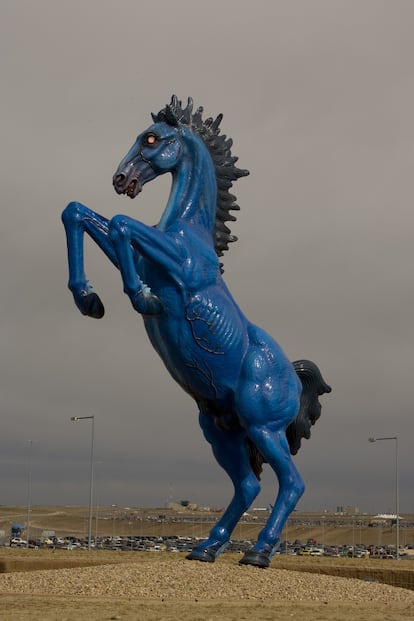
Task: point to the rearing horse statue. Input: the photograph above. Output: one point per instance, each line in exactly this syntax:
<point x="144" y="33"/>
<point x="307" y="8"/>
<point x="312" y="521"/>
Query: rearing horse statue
<point x="254" y="405"/>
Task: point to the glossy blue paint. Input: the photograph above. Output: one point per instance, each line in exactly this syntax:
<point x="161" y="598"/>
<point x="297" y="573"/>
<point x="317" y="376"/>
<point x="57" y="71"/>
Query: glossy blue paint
<point x="247" y="392"/>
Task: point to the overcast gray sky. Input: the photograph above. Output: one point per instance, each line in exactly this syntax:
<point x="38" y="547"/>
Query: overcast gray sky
<point x="318" y="96"/>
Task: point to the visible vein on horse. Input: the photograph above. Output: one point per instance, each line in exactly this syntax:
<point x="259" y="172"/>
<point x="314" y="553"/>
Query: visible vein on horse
<point x="199" y="340"/>
<point x="207" y="374"/>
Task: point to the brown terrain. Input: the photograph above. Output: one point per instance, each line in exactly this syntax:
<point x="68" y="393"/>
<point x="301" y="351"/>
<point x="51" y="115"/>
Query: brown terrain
<point x="325" y="528"/>
<point x="52" y="584"/>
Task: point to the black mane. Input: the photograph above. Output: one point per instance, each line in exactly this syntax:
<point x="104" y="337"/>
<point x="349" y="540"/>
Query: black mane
<point x="219" y="147"/>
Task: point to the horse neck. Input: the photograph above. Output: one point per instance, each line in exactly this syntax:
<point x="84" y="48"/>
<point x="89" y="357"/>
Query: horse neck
<point x="193" y="196"/>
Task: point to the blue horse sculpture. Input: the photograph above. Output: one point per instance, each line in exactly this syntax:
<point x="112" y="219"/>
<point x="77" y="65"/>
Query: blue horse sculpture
<point x="254" y="405"/>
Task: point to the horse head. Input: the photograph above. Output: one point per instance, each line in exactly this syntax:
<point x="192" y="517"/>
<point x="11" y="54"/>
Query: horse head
<point x="176" y="135"/>
<point x="155" y="152"/>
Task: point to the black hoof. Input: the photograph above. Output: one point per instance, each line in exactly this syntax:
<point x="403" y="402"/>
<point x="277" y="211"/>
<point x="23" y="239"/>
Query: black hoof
<point x="201" y="555"/>
<point x="92" y="306"/>
<point x="258" y="559"/>
<point x="149" y="304"/>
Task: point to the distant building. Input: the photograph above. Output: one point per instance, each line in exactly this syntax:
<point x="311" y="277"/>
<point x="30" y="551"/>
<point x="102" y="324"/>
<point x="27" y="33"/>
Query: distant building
<point x="178" y="506"/>
<point x="385" y="519"/>
<point x="348" y="510"/>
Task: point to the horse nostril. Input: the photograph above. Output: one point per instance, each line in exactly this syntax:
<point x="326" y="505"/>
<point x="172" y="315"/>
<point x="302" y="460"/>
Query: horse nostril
<point x="119" y="179"/>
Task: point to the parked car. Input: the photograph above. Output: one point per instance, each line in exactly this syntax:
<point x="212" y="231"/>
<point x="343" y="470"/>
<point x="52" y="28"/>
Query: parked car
<point x="17" y="542"/>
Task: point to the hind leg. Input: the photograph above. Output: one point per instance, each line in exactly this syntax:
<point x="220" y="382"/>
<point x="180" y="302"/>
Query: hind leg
<point x="273" y="445"/>
<point x="267" y="401"/>
<point x="231" y="452"/>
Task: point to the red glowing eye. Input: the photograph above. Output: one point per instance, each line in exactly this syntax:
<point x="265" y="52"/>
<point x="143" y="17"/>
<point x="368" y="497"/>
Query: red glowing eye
<point x="151" y="139"/>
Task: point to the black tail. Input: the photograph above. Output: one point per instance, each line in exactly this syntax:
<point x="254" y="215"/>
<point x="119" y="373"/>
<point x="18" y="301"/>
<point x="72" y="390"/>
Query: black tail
<point x="313" y="386"/>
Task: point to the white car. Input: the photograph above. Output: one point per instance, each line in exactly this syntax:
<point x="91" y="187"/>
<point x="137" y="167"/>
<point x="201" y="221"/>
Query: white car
<point x="18" y="541"/>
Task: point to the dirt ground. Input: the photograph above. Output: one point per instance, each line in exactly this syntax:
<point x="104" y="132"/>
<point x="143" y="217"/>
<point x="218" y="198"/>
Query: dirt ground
<point x="190" y="592"/>
<point x="47" y="593"/>
<point x="52" y="608"/>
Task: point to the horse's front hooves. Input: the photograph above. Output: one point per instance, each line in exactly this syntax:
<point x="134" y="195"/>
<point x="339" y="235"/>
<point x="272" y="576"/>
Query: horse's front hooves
<point x="91" y="306"/>
<point x="149" y="304"/>
<point x="201" y="555"/>
<point x="258" y="559"/>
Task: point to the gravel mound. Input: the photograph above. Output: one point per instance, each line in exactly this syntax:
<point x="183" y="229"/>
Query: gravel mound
<point x="199" y="581"/>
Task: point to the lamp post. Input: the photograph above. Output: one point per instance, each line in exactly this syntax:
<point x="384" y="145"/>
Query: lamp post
<point x="92" y="419"/>
<point x="397" y="495"/>
<point x="29" y="490"/>
<point x="97" y="508"/>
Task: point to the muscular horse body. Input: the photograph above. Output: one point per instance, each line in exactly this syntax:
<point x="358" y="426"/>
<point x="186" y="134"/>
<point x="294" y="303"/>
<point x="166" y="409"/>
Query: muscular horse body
<point x="254" y="404"/>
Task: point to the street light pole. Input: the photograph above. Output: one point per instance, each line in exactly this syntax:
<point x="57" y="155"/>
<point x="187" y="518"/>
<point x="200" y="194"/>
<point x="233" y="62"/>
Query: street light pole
<point x="29" y="490"/>
<point x="92" y="419"/>
<point x="397" y="494"/>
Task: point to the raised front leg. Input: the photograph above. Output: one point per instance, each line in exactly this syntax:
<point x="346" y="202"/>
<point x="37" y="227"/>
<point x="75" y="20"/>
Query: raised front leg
<point x="78" y="220"/>
<point x="130" y="236"/>
<point x="231" y="452"/>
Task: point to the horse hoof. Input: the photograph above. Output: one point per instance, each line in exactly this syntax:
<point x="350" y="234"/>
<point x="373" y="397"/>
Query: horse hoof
<point x="201" y="555"/>
<point x="258" y="559"/>
<point x="147" y="303"/>
<point x="91" y="306"/>
<point x="208" y="552"/>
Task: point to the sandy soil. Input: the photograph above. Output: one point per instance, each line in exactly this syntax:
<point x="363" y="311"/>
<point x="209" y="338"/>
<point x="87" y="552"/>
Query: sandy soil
<point x="166" y="587"/>
<point x="52" y="608"/>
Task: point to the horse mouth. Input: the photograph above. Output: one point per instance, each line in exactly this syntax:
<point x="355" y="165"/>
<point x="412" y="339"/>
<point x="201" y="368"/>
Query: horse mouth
<point x="123" y="185"/>
<point x="134" y="187"/>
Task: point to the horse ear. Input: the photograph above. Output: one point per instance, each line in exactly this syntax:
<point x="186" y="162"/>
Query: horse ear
<point x="174" y="102"/>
